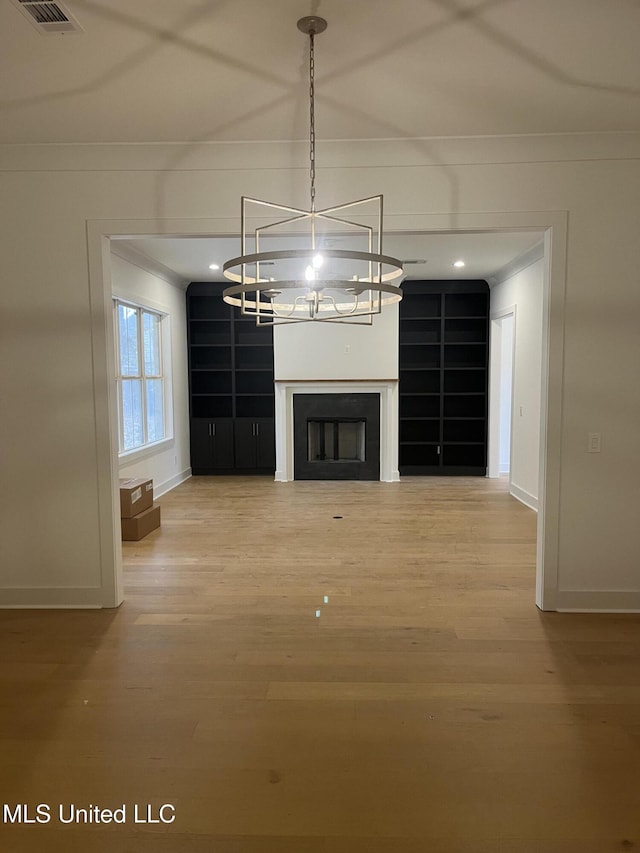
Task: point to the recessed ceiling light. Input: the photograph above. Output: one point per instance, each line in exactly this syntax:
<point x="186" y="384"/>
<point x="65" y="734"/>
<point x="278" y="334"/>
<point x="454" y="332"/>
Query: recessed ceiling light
<point x="458" y="263"/>
<point x="214" y="266"/>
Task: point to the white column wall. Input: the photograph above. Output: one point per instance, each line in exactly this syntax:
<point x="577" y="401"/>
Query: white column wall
<point x="336" y="351"/>
<point x="55" y="522"/>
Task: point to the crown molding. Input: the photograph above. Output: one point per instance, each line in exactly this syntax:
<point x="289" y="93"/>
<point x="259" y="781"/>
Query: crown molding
<point x="517" y="265"/>
<point x="126" y="252"/>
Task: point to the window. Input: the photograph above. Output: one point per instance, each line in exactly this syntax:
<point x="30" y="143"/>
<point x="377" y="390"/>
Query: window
<point x="140" y="378"/>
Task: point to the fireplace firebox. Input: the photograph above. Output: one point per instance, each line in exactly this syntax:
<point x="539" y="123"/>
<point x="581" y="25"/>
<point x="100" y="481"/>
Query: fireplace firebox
<point x="336" y="436"/>
<point x="331" y="440"/>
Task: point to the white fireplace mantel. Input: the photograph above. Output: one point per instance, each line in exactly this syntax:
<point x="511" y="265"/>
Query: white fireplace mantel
<point x="388" y="390"/>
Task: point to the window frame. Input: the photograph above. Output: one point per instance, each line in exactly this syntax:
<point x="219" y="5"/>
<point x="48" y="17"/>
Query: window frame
<point x="164" y="376"/>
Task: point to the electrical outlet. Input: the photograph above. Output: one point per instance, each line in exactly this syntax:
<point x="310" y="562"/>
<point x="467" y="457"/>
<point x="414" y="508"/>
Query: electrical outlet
<point x="593" y="442"/>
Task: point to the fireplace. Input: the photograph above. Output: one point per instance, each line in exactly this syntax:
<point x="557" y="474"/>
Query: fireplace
<point x="383" y="418"/>
<point x="336" y="436"/>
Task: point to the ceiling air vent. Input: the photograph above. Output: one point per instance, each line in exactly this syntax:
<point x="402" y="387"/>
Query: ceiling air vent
<point x="47" y="17"/>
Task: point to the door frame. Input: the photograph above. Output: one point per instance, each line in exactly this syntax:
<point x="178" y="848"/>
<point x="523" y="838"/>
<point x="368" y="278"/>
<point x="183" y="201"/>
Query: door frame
<point x="553" y="224"/>
<point x="495" y="388"/>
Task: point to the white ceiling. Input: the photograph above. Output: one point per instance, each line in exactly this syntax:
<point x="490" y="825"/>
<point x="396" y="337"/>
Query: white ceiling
<point x="191" y="70"/>
<point x="484" y="254"/>
<point x="176" y="70"/>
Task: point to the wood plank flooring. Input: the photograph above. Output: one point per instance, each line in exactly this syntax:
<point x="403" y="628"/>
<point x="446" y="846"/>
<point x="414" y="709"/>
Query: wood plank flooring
<point x="430" y="708"/>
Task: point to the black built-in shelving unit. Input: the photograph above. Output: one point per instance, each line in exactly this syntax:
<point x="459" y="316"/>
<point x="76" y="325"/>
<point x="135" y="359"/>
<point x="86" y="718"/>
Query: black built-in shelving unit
<point x="444" y="340"/>
<point x="231" y="390"/>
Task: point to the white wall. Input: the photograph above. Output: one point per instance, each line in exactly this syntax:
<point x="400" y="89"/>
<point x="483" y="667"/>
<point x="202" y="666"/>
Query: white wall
<point x="168" y="464"/>
<point x="524" y="290"/>
<point x="338" y="351"/>
<point x="506" y="389"/>
<point x="57" y="516"/>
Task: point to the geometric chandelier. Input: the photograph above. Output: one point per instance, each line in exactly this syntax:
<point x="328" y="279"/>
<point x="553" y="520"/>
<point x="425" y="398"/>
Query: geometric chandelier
<point x="312" y="265"/>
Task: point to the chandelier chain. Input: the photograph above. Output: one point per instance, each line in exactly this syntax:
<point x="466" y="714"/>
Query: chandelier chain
<point x="312" y="123"/>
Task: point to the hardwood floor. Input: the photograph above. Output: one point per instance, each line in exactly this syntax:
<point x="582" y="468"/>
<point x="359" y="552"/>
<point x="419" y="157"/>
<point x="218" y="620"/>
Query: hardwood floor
<point x="430" y="708"/>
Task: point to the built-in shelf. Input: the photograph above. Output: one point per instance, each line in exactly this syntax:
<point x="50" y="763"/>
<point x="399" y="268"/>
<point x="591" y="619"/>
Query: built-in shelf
<point x="443" y="361"/>
<point x="231" y="386"/>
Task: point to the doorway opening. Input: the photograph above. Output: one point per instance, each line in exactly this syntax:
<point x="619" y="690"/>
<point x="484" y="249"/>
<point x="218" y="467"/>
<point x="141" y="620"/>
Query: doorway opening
<point x="550" y="224"/>
<point x="501" y="368"/>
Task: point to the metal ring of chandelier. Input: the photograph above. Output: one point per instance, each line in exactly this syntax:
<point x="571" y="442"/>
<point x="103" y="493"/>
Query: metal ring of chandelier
<point x="355" y="297"/>
<point x="249" y="284"/>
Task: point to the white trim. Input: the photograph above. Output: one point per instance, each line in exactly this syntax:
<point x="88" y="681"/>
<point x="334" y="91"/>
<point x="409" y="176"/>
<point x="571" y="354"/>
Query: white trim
<point x="129" y="456"/>
<point x="552" y="223"/>
<point x="597" y="601"/>
<point x="495" y="387"/>
<point x="523" y="496"/>
<point x="551" y="399"/>
<point x="132" y="298"/>
<point x="164" y="350"/>
<point x="388" y="390"/>
<point x="64" y="597"/>
<point x="161" y="489"/>
<point x="503" y="312"/>
<point x="525" y="260"/>
<point x="223" y="155"/>
<point x="143" y="301"/>
<point x="126" y="252"/>
<point x="106" y="417"/>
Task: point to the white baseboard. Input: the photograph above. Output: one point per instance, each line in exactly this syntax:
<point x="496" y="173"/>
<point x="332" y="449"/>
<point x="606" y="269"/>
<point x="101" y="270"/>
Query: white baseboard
<point x="598" y="601"/>
<point x="280" y="477"/>
<point x="38" y="598"/>
<point x="171" y="483"/>
<point x="524" y="497"/>
<point x="72" y="598"/>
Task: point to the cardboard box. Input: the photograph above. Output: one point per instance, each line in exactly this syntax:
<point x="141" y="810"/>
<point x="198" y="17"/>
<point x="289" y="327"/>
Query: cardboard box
<point x="140" y="525"/>
<point x="136" y="495"/>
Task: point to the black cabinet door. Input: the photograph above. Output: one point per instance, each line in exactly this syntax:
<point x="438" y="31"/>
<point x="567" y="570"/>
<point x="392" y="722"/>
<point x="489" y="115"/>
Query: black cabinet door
<point x="245" y="431"/>
<point x="255" y="443"/>
<point x="211" y="444"/>
<point x="222" y="444"/>
<point x="201" y="447"/>
<point x="265" y="443"/>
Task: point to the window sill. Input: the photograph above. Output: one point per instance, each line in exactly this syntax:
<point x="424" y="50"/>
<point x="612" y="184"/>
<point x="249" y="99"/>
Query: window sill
<point x="128" y="456"/>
